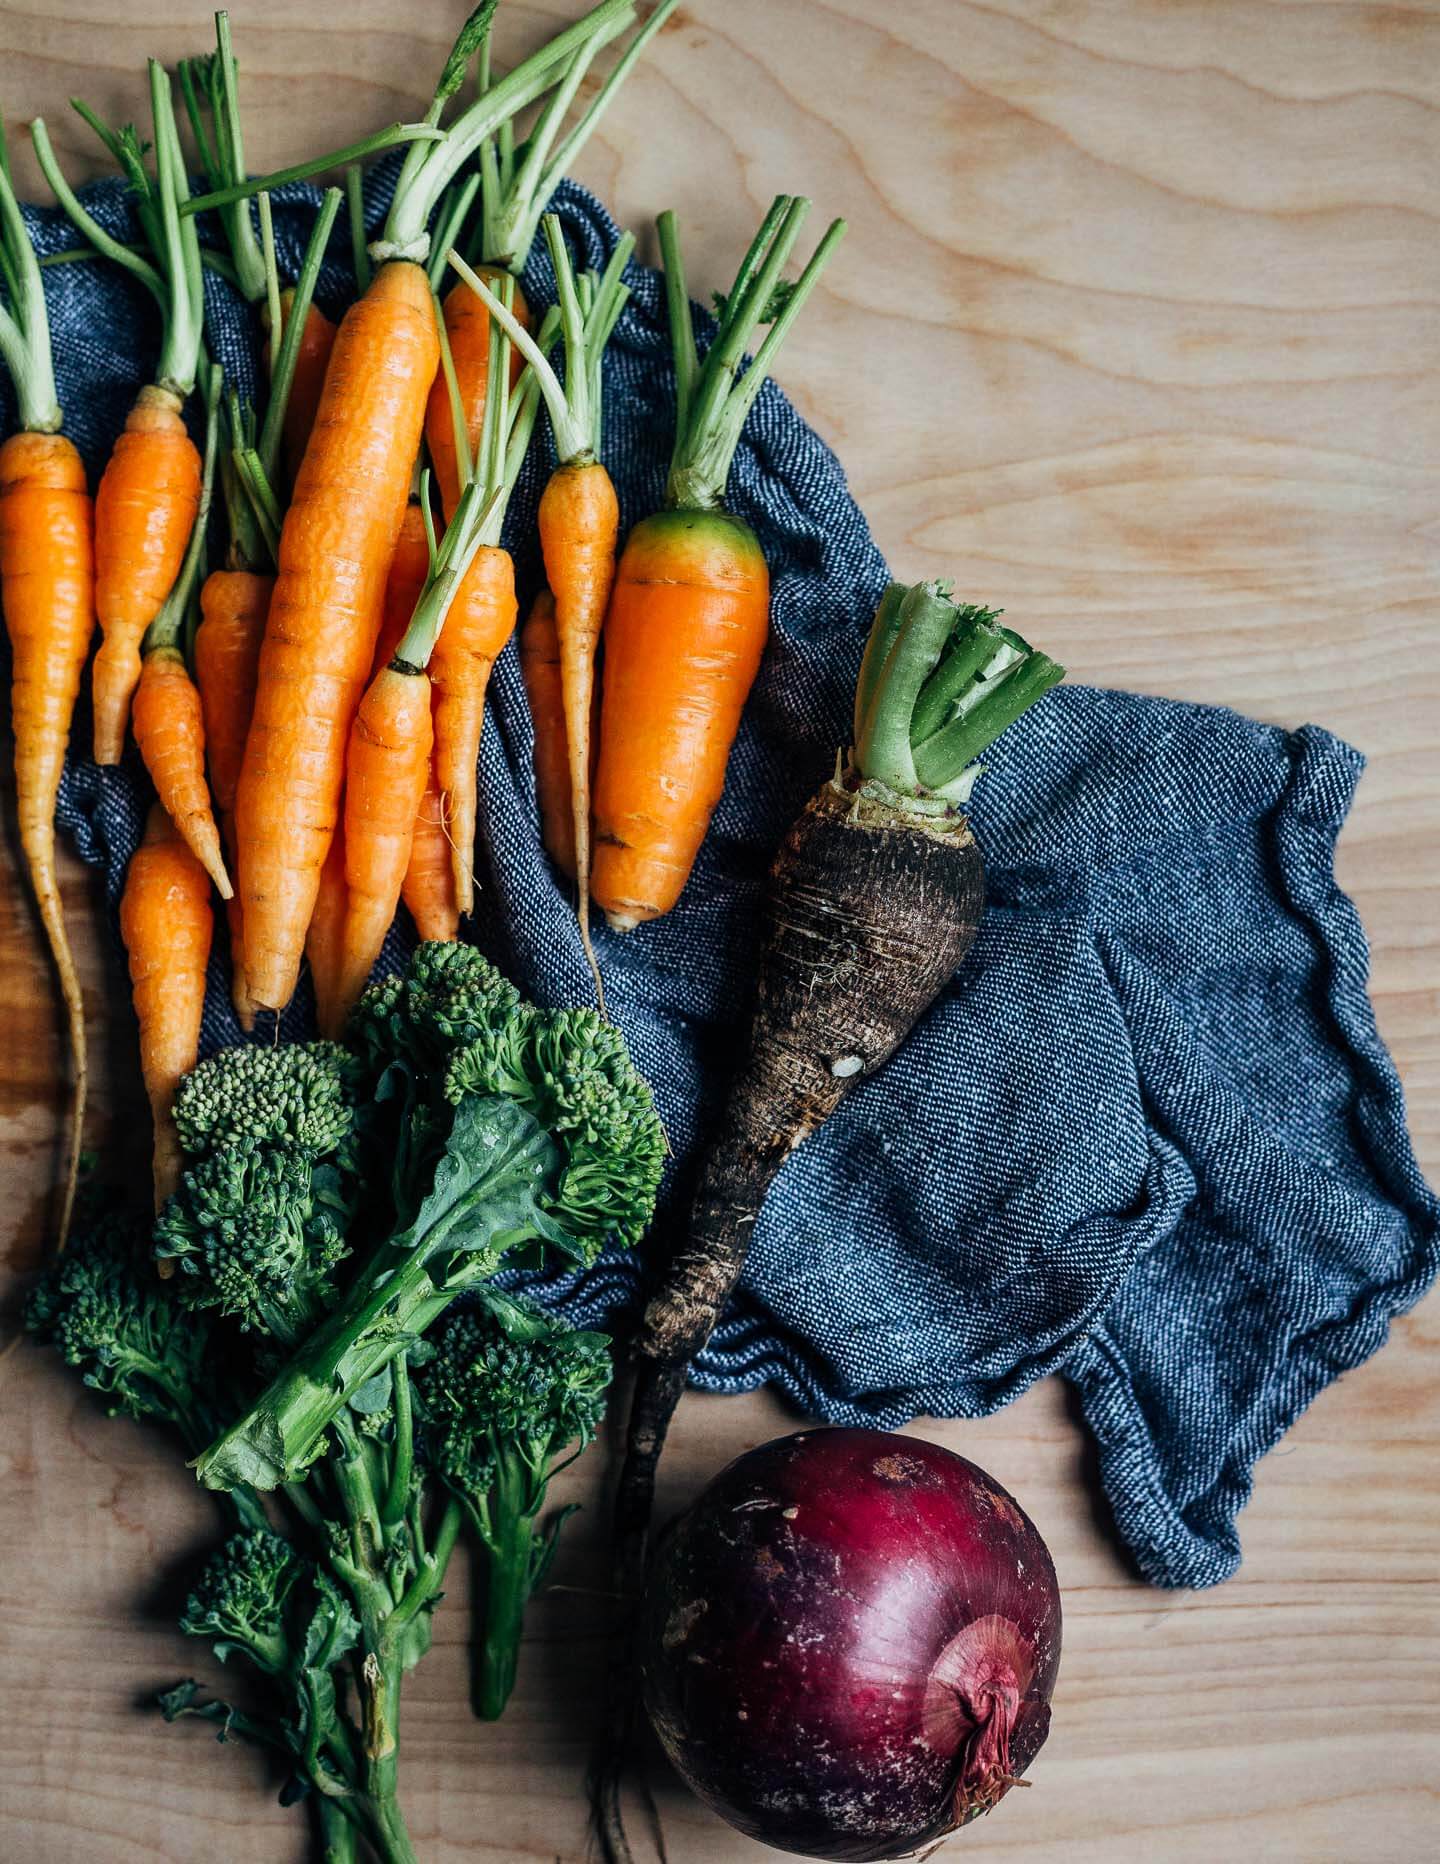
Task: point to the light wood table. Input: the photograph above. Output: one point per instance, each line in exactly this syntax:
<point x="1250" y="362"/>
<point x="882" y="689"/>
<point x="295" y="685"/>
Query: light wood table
<point x="1135" y="332"/>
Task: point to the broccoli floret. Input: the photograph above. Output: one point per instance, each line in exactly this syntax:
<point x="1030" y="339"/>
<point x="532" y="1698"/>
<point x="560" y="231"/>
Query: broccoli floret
<point x="252" y="1238"/>
<point x="451" y="994"/>
<point x="572" y="1070"/>
<point x="506" y="1389"/>
<point x="508" y="1131"/>
<point x="124" y="1331"/>
<point x="297" y="1098"/>
<point x="240" y="1600"/>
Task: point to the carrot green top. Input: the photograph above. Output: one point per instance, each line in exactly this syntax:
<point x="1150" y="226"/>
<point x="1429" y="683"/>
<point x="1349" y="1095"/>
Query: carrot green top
<point x="938" y="684"/>
<point x="589" y="309"/>
<point x="210" y="87"/>
<point x="24" y="327"/>
<point x="429" y="168"/>
<point x="516" y="185"/>
<point x="175" y="277"/>
<point x="713" y="397"/>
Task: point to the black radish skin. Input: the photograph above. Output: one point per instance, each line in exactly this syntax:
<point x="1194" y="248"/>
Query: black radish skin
<point x="870" y="908"/>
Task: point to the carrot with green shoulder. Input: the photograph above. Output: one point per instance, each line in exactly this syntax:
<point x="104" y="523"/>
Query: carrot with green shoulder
<point x="690" y="615"/>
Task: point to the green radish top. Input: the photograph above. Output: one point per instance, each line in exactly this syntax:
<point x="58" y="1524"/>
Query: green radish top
<point x="24" y="326"/>
<point x="938" y="684"/>
<point x="713" y="397"/>
<point x="174" y="279"/>
<point x="589" y="309"/>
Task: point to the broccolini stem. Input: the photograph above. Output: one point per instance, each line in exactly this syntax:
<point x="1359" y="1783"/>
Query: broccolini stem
<point x="380" y="1677"/>
<point x="338" y="1837"/>
<point x="508" y="1565"/>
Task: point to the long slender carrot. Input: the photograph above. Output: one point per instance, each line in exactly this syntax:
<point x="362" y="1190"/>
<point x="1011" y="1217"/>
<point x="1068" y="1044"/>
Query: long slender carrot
<point x="339" y="533"/>
<point x="235" y="601"/>
<point x="387" y="767"/>
<point x="233" y="607"/>
<point x="579" y="512"/>
<point x="167" y="924"/>
<point x="516" y="188"/>
<point x="428" y="889"/>
<point x="540" y="669"/>
<point x="482" y="615"/>
<point x="167" y="714"/>
<point x="150" y="490"/>
<point x="690" y="615"/>
<point x="47" y="591"/>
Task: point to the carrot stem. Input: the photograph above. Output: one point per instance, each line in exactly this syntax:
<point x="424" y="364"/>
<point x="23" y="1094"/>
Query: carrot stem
<point x="104" y="244"/>
<point x="24" y="327"/>
<point x="355" y="203"/>
<point x="512" y="208"/>
<point x="716" y="395"/>
<point x="282" y="376"/>
<point x="388" y="138"/>
<point x="418" y="190"/>
<point x="166" y="629"/>
<point x="211" y="84"/>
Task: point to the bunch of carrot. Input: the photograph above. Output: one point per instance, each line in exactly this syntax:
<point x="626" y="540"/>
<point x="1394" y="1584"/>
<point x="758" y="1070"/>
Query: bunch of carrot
<point x="309" y="706"/>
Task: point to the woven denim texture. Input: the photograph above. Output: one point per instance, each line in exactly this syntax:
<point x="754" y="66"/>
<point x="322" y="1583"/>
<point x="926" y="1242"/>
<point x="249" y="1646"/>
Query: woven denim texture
<point x="1149" y="1138"/>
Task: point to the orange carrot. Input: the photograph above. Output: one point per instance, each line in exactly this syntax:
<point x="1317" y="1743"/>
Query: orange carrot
<point x="340" y="532"/>
<point x="166" y="713"/>
<point x="429" y="886"/>
<point x="144" y="514"/>
<point x="540" y="669"/>
<point x="167" y="923"/>
<point x="689" y="617"/>
<point x="233" y="607"/>
<point x="335" y="549"/>
<point x="170" y="731"/>
<point x="385" y="777"/>
<point x="323" y="941"/>
<point x="480" y="622"/>
<point x="312" y="358"/>
<point x="149" y="493"/>
<point x="579" y="512"/>
<point x="47" y="591"/>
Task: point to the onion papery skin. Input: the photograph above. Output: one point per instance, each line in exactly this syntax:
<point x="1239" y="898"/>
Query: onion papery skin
<point x="849" y="1643"/>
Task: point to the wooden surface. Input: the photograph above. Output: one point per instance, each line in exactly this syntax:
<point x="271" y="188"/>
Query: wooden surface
<point x="1135" y="332"/>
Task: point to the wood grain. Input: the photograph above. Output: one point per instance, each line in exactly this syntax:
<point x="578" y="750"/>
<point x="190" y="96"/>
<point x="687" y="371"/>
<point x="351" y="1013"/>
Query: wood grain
<point x="1136" y="331"/>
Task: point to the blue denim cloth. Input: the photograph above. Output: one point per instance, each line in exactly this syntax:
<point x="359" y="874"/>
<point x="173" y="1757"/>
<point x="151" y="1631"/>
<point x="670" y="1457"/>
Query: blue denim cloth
<point x="1149" y="1138"/>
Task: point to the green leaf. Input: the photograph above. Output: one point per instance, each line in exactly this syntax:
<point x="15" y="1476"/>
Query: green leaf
<point x="498" y="1165"/>
<point x="374" y="1395"/>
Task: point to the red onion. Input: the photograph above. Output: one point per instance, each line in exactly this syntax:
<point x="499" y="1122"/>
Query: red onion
<point x="849" y="1643"/>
